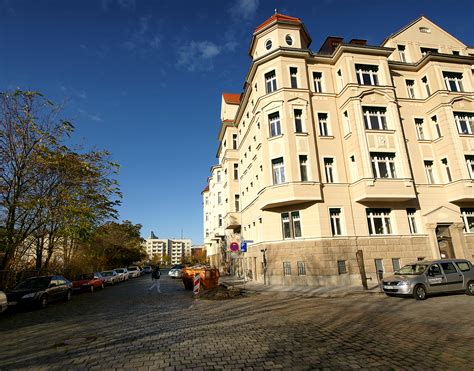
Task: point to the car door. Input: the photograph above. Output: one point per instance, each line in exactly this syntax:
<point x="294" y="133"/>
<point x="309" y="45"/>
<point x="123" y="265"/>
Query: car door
<point x="436" y="278"/>
<point x="454" y="278"/>
<point x="54" y="289"/>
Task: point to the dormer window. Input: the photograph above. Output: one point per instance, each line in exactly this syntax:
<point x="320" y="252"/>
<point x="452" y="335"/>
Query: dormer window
<point x="289" y="40"/>
<point x="268" y="44"/>
<point x="424" y="30"/>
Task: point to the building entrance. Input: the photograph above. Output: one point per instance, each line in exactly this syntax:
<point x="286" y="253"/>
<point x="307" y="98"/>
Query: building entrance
<point x="445" y="244"/>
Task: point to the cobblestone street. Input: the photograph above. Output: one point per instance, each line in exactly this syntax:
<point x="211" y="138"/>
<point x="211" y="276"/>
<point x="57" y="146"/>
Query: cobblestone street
<point x="124" y="327"/>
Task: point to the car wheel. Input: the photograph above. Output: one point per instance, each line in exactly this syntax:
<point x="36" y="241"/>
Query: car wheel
<point x="419" y="292"/>
<point x="69" y="295"/>
<point x="470" y="288"/>
<point x="91" y="288"/>
<point x="43" y="301"/>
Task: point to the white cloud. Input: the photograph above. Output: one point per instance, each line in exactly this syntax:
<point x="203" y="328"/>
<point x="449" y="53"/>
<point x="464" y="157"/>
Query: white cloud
<point x="92" y="117"/>
<point x="198" y="55"/>
<point x="245" y="8"/>
<point x="143" y="37"/>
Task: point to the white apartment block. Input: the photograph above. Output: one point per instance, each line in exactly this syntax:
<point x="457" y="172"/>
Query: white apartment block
<point x="176" y="249"/>
<point x="347" y="159"/>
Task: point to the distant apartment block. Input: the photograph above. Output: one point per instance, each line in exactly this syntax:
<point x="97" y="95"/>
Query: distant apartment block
<point x="176" y="249"/>
<point x="347" y="159"/>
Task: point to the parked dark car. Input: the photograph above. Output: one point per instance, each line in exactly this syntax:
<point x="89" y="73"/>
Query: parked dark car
<point x="89" y="282"/>
<point x="146" y="269"/>
<point x="40" y="291"/>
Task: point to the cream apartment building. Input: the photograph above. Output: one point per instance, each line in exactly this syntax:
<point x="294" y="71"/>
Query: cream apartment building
<point x="176" y="249"/>
<point x="350" y="160"/>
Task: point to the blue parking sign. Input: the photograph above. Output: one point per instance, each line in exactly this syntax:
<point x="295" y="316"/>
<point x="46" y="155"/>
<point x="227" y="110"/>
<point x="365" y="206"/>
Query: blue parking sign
<point x="243" y="247"/>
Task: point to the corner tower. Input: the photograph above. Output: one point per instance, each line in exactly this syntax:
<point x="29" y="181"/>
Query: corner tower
<point x="278" y="31"/>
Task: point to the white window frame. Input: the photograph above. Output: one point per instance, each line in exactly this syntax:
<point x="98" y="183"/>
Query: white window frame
<point x="424" y="81"/>
<point x="301" y="266"/>
<point x="467" y="214"/>
<point x="278" y="170"/>
<point x="453" y="81"/>
<point x="419" y="127"/>
<point x="434" y="120"/>
<point x="429" y="171"/>
<point x="298" y="119"/>
<point x="388" y="160"/>
<point x="219" y="198"/>
<point x="401" y="53"/>
<point x="384" y="216"/>
<point x="411" y="216"/>
<point x="303" y="165"/>
<point x="447" y="170"/>
<point x="293" y="77"/>
<point x="367" y="71"/>
<point x="335" y="219"/>
<point x="380" y="113"/>
<point x="293" y="219"/>
<point x="235" y="144"/>
<point x="323" y="124"/>
<point x="237" y="202"/>
<point x="464" y="122"/>
<point x="470" y="165"/>
<point x="274" y="124"/>
<point x="410" y="84"/>
<point x="270" y="81"/>
<point x="236" y="171"/>
<point x="329" y="169"/>
<point x="318" y="81"/>
<point x="347" y="122"/>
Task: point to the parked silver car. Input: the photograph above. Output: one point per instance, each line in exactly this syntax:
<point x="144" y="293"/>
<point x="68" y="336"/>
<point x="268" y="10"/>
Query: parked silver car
<point x="428" y="277"/>
<point x="3" y="301"/>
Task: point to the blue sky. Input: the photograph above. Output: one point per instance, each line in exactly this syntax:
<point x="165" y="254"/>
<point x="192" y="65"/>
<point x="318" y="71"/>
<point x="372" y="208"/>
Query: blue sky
<point x="143" y="79"/>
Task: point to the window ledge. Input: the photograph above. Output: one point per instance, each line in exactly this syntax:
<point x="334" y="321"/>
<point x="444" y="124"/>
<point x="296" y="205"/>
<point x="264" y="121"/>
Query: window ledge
<point x="466" y="135"/>
<point x="275" y="137"/>
<point x="391" y="131"/>
<point x="301" y="133"/>
<point x="326" y="136"/>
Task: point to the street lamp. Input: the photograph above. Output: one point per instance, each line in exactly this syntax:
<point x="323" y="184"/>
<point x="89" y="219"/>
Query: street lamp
<point x="263" y="251"/>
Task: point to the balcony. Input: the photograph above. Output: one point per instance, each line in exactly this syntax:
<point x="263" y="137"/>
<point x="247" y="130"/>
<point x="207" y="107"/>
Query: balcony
<point x="459" y="191"/>
<point x="232" y="220"/>
<point x="289" y="194"/>
<point x="390" y="190"/>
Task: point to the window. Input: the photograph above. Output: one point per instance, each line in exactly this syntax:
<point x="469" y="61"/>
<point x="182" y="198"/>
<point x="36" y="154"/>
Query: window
<point x="291" y="224"/>
<point x="378" y="265"/>
<point x="335" y="218"/>
<point x="341" y="267"/>
<point x="323" y="124"/>
<point x="366" y="74"/>
<point x="270" y="81"/>
<point x="420" y="133"/>
<point x="289" y="40"/>
<point x="448" y="268"/>
<point x="378" y="221"/>
<point x="236" y="171"/>
<point x="294" y="77"/>
<point x="318" y="83"/>
<point x="219" y="218"/>
<point x="467" y="215"/>
<point x="424" y="30"/>
<point x="412" y="221"/>
<point x="426" y="51"/>
<point x="278" y="171"/>
<point x="268" y="44"/>
<point x="401" y="53"/>
<point x="464" y="122"/>
<point x="219" y="198"/>
<point x="374" y="118"/>
<point x="340" y="80"/>
<point x="298" y="120"/>
<point x="470" y="165"/>
<point x="301" y="268"/>
<point x="287" y="268"/>
<point x="237" y="202"/>
<point x="329" y="169"/>
<point x="425" y="83"/>
<point x="429" y="172"/>
<point x="353" y="167"/>
<point x="396" y="264"/>
<point x="383" y="165"/>
<point x="455" y="52"/>
<point x="437" y="129"/>
<point x="303" y="168"/>
<point x="463" y="266"/>
<point x="234" y="141"/>
<point x="274" y="122"/>
<point x="218" y="177"/>
<point x="444" y="161"/>
<point x="410" y="88"/>
<point x="453" y="81"/>
<point x="347" y="123"/>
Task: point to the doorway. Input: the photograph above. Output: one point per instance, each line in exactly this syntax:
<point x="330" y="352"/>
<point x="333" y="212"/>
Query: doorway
<point x="445" y="244"/>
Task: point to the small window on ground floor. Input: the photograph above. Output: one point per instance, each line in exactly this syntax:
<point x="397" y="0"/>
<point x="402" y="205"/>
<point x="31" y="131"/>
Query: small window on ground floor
<point x="396" y="264"/>
<point x="341" y="267"/>
<point x="287" y="268"/>
<point x="301" y="268"/>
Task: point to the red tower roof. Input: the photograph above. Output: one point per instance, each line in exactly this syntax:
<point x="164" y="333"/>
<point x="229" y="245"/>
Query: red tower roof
<point x="231" y="98"/>
<point x="278" y="17"/>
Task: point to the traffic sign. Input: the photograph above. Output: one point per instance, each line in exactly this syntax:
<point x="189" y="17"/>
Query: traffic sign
<point x="243" y="247"/>
<point x="197" y="284"/>
<point x="234" y="246"/>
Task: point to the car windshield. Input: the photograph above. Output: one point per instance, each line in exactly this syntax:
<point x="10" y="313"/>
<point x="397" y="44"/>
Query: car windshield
<point x="87" y="276"/>
<point x="412" y="269"/>
<point x="35" y="283"/>
<point x="108" y="273"/>
<point x="119" y="270"/>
